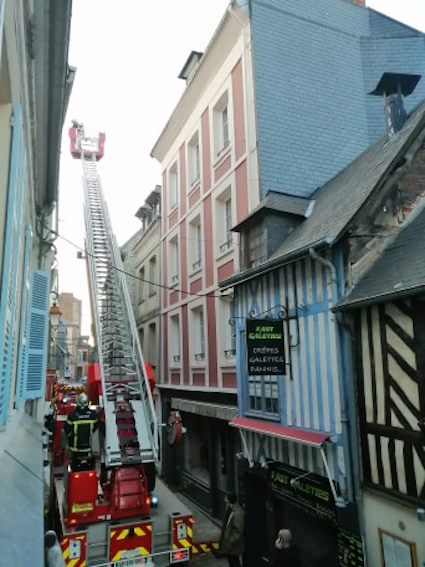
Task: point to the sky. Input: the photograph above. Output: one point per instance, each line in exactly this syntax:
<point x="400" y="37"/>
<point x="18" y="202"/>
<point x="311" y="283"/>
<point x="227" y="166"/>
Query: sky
<point x="128" y="60"/>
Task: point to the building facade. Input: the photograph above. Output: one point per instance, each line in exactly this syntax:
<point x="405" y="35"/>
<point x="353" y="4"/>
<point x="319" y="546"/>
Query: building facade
<point x="242" y="132"/>
<point x="35" y="84"/>
<point x="298" y="416"/>
<point x="385" y="311"/>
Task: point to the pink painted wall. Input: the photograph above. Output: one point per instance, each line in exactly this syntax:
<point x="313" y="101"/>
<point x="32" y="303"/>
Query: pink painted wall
<point x="238" y="110"/>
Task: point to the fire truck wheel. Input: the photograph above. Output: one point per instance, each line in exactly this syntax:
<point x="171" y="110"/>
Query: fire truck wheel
<point x="150" y="475"/>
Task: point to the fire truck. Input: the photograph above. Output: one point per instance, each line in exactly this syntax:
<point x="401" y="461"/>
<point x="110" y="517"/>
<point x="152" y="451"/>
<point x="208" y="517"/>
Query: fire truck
<point x="118" y="513"/>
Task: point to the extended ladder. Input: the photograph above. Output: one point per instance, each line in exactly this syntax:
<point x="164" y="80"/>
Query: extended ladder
<point x="131" y="429"/>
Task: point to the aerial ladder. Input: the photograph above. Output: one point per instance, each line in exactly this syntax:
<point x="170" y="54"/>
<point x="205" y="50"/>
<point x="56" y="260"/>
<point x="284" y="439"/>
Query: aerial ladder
<point x="110" y="515"/>
<point x="131" y="433"/>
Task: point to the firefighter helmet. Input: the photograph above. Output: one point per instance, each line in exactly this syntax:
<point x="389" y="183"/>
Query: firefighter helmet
<point x="82" y="400"/>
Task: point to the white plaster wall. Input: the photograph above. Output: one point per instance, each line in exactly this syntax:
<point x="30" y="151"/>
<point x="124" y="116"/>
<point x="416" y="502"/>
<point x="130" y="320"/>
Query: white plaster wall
<point x="400" y="520"/>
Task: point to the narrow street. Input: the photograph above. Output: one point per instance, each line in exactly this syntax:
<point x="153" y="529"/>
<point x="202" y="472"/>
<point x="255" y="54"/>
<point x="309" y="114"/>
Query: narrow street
<point x="205" y="530"/>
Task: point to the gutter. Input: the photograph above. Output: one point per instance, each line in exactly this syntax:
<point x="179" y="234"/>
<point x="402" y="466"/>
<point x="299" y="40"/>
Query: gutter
<point x="247" y="275"/>
<point x="348" y="474"/>
<point x="58" y="92"/>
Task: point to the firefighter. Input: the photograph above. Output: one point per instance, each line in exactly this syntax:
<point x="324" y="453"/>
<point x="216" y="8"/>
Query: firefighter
<point x="79" y="427"/>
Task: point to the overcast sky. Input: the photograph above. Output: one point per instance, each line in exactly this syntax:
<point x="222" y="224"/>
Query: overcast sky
<point x="128" y="59"/>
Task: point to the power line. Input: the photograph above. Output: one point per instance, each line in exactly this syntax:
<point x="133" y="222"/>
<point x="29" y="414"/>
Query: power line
<point x="156" y="284"/>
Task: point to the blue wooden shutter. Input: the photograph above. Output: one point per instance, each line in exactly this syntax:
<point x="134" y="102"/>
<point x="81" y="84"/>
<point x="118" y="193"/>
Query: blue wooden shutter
<point x="11" y="256"/>
<point x="36" y="359"/>
<point x="25" y="306"/>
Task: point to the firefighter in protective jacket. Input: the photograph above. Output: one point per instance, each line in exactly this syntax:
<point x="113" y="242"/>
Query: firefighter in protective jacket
<point x="79" y="427"/>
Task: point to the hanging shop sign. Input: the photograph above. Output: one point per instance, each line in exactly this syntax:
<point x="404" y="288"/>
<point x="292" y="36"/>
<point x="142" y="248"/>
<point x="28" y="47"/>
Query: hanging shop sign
<point x="265" y="347"/>
<point x="307" y="490"/>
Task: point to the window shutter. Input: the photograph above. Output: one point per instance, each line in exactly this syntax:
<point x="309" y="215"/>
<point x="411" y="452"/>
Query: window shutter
<point x="36" y="359"/>
<point x="25" y="303"/>
<point x="11" y="256"/>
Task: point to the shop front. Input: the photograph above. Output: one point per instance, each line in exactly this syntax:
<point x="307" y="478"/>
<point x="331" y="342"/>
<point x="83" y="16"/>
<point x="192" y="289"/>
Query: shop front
<point x="280" y="496"/>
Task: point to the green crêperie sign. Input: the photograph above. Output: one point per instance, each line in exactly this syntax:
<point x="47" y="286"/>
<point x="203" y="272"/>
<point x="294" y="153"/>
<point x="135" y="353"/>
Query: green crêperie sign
<point x="265" y="347"/>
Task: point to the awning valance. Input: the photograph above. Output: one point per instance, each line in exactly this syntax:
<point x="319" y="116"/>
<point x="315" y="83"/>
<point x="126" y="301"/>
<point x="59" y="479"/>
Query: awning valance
<point x="303" y="436"/>
<point x="307" y="437"/>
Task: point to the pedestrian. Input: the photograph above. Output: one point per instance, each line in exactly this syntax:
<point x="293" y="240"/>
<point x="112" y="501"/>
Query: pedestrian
<point x="285" y="553"/>
<point x="232" y="541"/>
<point x="79" y="427"/>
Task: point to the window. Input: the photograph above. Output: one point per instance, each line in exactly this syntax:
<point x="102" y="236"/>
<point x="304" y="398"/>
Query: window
<point x="81" y="356"/>
<point x="199" y="334"/>
<point x="224" y="220"/>
<point x="396" y="551"/>
<point x="141" y="288"/>
<point x="221" y="125"/>
<point x="254" y="244"/>
<point x="152" y="343"/>
<point x="228" y="331"/>
<point x="142" y="338"/>
<point x="174" y="260"/>
<point x="175" y="339"/>
<point x="173" y="186"/>
<point x="263" y="394"/>
<point x="195" y="243"/>
<point x="194" y="160"/>
<point x="153" y="278"/>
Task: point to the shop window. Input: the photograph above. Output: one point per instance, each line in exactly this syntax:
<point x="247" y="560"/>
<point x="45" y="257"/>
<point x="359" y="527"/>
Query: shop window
<point x="197" y="458"/>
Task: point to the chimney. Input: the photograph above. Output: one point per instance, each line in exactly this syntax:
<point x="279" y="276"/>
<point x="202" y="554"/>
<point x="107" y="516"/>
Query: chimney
<point x="359" y="2"/>
<point x="393" y="87"/>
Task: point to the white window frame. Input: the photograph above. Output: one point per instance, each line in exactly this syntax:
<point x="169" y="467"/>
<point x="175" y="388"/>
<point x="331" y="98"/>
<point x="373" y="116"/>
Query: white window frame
<point x="227" y="330"/>
<point x="153" y="276"/>
<point x="198" y="344"/>
<point x="141" y="285"/>
<point x="194" y="160"/>
<point x="224" y="221"/>
<point x="173" y="186"/>
<point x="174" y="260"/>
<point x="196" y="240"/>
<point x="221" y="125"/>
<point x="175" y="339"/>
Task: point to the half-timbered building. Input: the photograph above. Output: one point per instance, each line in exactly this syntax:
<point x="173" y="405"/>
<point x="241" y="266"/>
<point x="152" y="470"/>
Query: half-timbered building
<point x="387" y="312"/>
<point x="298" y="420"/>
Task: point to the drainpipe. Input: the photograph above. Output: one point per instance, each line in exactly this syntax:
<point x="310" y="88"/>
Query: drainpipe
<point x="346" y="485"/>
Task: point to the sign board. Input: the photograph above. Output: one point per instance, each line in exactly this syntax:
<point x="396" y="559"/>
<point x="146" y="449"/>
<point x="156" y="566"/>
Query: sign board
<point x="309" y="491"/>
<point x="265" y="347"/>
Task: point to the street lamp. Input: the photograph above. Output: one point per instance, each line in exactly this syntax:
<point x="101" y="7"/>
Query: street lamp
<point x="55" y="315"/>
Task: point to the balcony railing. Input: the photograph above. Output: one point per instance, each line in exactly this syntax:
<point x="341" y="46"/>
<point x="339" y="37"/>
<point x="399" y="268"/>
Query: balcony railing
<point x="196" y="265"/>
<point x="226" y="245"/>
<point x="199" y="356"/>
<point x="230" y="353"/>
<point x="176" y="358"/>
<point x="175" y="278"/>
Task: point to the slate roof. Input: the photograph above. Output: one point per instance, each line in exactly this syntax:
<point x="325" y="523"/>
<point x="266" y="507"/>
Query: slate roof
<point x="339" y="200"/>
<point x="399" y="271"/>
<point x="278" y="203"/>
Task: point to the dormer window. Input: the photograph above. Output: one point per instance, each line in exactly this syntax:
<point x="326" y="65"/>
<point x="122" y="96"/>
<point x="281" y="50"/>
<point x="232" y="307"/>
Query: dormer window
<point x="254" y="246"/>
